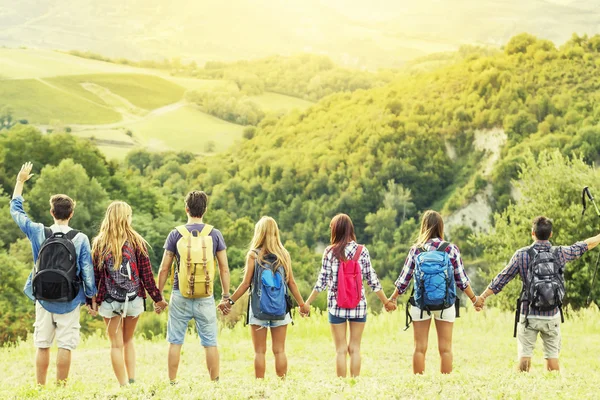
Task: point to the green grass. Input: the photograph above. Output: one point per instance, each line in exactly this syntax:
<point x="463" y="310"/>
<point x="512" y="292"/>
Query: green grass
<point x="484" y="365"/>
<point x="185" y="129"/>
<point x="145" y="91"/>
<point x="275" y="102"/>
<point x="40" y="103"/>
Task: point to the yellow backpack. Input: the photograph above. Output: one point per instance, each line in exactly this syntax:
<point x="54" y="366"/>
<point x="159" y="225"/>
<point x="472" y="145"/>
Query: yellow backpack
<point x="196" y="262"/>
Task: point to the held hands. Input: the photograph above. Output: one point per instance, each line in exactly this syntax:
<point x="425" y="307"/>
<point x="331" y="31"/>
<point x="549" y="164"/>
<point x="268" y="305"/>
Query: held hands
<point x="479" y="303"/>
<point x="25" y="172"/>
<point x="390" y="305"/>
<point x="160" y="306"/>
<point x="224" y="306"/>
<point x="92" y="309"/>
<point x="304" y="310"/>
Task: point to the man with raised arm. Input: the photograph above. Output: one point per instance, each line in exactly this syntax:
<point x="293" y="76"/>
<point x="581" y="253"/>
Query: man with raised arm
<point x="541" y="268"/>
<point x="62" y="278"/>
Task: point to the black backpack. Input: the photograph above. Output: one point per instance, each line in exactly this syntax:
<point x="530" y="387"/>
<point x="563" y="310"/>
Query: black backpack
<point x="55" y="273"/>
<point x="544" y="288"/>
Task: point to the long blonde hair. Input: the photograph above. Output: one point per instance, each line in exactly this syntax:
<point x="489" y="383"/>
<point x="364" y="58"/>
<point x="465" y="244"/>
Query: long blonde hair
<point x="432" y="226"/>
<point x="115" y="230"/>
<point x="266" y="238"/>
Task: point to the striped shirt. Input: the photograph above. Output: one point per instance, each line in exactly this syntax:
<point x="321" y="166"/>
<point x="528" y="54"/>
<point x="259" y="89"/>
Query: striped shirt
<point x="519" y="264"/>
<point x="328" y="279"/>
<point x="460" y="276"/>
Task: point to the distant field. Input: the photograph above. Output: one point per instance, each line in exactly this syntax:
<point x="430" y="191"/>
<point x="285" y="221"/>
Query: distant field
<point x="34" y="63"/>
<point x="275" y="102"/>
<point x="185" y="128"/>
<point x="144" y="91"/>
<point x="40" y="103"/>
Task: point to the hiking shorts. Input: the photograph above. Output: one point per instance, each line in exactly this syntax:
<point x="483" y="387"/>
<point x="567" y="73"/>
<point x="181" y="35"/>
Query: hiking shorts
<point x="113" y="309"/>
<point x="273" y="323"/>
<point x="62" y="327"/>
<point x="449" y="314"/>
<point x="203" y="311"/>
<point x="549" y="330"/>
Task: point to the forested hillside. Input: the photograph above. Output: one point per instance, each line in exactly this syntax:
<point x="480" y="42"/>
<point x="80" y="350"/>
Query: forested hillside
<point x="381" y="155"/>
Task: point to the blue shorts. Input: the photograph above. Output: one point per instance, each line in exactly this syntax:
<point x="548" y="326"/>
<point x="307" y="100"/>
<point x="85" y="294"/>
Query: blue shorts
<point x="337" y="320"/>
<point x="203" y="311"/>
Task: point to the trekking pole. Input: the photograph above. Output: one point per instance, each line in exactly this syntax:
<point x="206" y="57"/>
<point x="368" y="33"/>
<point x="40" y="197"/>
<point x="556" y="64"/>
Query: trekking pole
<point x="588" y="194"/>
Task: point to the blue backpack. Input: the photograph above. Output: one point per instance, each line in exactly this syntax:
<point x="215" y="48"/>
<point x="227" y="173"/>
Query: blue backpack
<point x="434" y="287"/>
<point x="269" y="298"/>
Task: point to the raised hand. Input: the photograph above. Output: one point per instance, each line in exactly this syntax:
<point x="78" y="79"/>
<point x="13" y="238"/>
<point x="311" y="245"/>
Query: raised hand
<point x="25" y="172"/>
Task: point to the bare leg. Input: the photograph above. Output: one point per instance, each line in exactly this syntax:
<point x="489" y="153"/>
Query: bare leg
<point x="174" y="356"/>
<point x="552" y="364"/>
<point x="212" y="362"/>
<point x="444" y="334"/>
<point x="114" y="330"/>
<point x="421" y="335"/>
<point x="42" y="361"/>
<point x="259" y="340"/>
<point x="356" y="331"/>
<point x="129" y="325"/>
<point x="63" y="365"/>
<point x="524" y="364"/>
<point x="341" y="348"/>
<point x="278" y="338"/>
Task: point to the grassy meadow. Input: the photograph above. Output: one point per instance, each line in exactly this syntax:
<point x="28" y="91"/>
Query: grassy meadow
<point x="484" y="362"/>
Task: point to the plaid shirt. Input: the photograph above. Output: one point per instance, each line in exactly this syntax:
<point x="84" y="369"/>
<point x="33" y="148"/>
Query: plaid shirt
<point x="142" y="267"/>
<point x="460" y="276"/>
<point x="519" y="264"/>
<point x="328" y="279"/>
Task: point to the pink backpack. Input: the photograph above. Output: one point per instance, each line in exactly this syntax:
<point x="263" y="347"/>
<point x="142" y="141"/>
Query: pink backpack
<point x="349" y="288"/>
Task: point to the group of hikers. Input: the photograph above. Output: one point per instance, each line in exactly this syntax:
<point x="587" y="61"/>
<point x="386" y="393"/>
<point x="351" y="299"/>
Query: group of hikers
<point x="112" y="276"/>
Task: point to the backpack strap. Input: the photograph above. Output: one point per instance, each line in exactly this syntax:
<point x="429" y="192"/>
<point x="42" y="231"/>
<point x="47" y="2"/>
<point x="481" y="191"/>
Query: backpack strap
<point x="71" y="234"/>
<point x="48" y="232"/>
<point x="358" y="252"/>
<point x="443" y="246"/>
<point x="206" y="230"/>
<point x="532" y="253"/>
<point x="183" y="231"/>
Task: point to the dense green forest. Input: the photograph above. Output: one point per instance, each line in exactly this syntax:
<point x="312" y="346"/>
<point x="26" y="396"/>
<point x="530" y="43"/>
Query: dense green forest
<point x="378" y="152"/>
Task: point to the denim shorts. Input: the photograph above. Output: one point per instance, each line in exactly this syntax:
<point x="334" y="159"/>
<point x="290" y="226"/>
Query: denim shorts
<point x="337" y="320"/>
<point x="204" y="313"/>
<point x="115" y="308"/>
<point x="273" y="323"/>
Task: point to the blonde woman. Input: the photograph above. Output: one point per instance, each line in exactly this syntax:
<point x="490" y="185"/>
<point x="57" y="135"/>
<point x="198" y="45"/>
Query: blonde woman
<point x="430" y="240"/>
<point x="268" y="270"/>
<point x="123" y="275"/>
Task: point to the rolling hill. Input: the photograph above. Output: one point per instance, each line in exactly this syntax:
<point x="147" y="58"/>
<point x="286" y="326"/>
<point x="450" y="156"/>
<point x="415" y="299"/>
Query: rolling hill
<point x="119" y="106"/>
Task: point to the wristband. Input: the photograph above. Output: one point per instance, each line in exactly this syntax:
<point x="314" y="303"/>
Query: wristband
<point x="231" y="302"/>
<point x="226" y="296"/>
<point x="301" y="305"/>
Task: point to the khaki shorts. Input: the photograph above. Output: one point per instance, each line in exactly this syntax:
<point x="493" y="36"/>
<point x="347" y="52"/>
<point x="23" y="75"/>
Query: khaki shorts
<point x="63" y="327"/>
<point x="549" y="330"/>
<point x="449" y="314"/>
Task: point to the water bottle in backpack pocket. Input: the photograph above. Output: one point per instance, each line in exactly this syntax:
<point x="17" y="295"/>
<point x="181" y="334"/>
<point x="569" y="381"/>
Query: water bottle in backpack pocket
<point x="55" y="273"/>
<point x="434" y="285"/>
